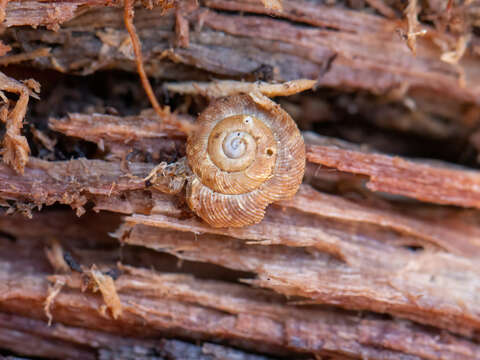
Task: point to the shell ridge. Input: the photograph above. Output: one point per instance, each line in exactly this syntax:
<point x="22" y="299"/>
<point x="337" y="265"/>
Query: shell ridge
<point x="237" y="198"/>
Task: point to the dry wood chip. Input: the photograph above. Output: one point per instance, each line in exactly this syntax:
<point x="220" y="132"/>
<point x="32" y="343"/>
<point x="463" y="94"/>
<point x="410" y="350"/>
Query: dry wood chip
<point x="220" y="88"/>
<point x="273" y="4"/>
<point x="23" y="342"/>
<point x="106" y="285"/>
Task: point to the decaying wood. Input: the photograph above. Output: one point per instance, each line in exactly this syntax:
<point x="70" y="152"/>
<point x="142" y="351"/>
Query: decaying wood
<point x="359" y="238"/>
<point x="434" y="183"/>
<point x="69" y="182"/>
<point x="404" y="289"/>
<point x="376" y="255"/>
<point x="159" y="303"/>
<point x="62" y="342"/>
<point x="119" y="136"/>
<point x="360" y="51"/>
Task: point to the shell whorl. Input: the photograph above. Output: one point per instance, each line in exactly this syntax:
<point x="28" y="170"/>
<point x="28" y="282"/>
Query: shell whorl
<point x="245" y="154"/>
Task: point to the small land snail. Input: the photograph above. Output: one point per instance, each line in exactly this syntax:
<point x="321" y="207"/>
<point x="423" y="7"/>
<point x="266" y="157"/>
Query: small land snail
<point x="245" y="154"/>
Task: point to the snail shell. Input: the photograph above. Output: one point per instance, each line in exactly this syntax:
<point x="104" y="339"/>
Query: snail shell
<point x="245" y="154"/>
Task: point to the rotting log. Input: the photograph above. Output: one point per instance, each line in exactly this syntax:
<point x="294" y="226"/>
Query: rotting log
<point x="375" y="256"/>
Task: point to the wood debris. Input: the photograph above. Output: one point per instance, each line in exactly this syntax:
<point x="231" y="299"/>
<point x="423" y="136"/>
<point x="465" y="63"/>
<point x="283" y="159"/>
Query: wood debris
<point x="56" y="257"/>
<point x="226" y="87"/>
<point x="411" y="13"/>
<point x="351" y="55"/>
<point x="53" y="291"/>
<point x="14" y="59"/>
<point x="98" y="281"/>
<point x="156" y="303"/>
<point x="273" y="4"/>
<point x="15" y="149"/>
<point x="432" y="182"/>
<point x="395" y="293"/>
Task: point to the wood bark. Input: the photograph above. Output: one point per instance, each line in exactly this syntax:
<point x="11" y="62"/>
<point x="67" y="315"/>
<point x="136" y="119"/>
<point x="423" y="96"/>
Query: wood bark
<point x="376" y="255"/>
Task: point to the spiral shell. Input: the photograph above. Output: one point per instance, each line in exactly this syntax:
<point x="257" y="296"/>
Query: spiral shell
<point x="245" y="154"/>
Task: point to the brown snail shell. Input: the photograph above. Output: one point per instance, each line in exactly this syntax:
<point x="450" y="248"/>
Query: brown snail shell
<point x="245" y="154"/>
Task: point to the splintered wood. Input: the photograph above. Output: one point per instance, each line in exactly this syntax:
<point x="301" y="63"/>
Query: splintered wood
<point x="15" y="148"/>
<point x="156" y="303"/>
<point x="375" y="257"/>
<point x="420" y="180"/>
<point x="226" y="87"/>
<point x="348" y="49"/>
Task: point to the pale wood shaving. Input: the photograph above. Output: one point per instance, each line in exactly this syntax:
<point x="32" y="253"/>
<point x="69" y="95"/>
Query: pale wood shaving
<point x="273" y="4"/>
<point x="220" y="88"/>
<point x="411" y="13"/>
<point x="15" y="149"/>
<point x="106" y="285"/>
<point x="54" y="254"/>
<point x="24" y="56"/>
<point x="53" y="292"/>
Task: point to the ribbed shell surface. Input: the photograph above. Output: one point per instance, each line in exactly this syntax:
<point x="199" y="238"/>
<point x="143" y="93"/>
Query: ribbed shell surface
<point x="235" y="199"/>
